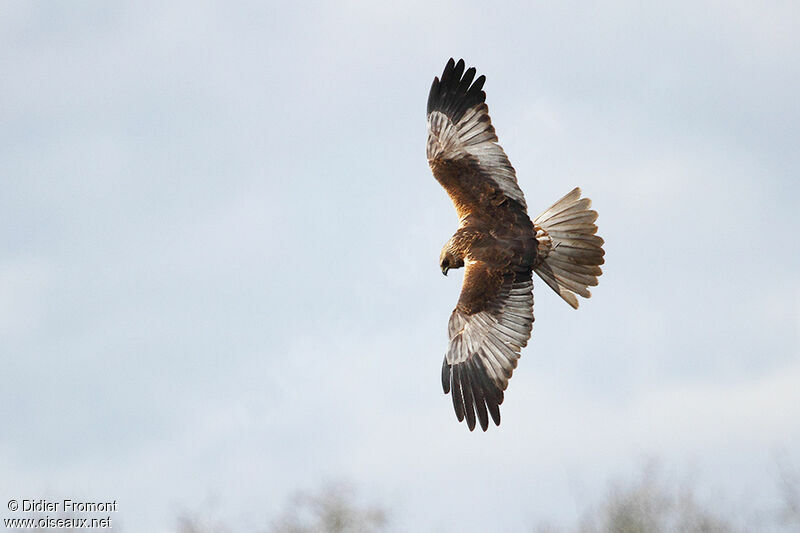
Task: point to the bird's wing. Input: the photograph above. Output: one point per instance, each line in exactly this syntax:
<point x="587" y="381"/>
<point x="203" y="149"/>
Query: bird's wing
<point x="462" y="146"/>
<point x="488" y="328"/>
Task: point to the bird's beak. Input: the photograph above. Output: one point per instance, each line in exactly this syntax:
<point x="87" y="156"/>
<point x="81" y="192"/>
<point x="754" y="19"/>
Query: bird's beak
<point x="444" y="270"/>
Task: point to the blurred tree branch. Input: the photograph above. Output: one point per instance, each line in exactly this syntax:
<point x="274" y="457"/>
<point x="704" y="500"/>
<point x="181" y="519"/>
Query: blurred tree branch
<point x="332" y="510"/>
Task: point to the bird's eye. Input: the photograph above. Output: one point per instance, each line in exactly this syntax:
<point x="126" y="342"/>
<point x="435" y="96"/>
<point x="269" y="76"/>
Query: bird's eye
<point x="445" y="262"/>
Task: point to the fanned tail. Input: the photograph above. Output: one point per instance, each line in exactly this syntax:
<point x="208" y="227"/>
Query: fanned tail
<point x="570" y="254"/>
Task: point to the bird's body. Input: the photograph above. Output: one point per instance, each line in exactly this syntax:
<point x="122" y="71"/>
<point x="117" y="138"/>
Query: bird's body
<point x="499" y="245"/>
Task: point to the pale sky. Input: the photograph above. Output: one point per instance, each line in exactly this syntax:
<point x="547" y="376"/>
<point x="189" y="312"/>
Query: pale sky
<point x="219" y="243"/>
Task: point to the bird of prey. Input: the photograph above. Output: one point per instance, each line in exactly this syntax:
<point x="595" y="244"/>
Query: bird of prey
<point x="499" y="245"/>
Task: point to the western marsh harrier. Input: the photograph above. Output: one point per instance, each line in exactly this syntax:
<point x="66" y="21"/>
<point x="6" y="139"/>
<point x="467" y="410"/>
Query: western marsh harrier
<point x="499" y="245"/>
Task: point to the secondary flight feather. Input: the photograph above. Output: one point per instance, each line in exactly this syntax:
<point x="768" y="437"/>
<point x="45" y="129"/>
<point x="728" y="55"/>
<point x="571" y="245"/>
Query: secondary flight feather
<point x="499" y="245"/>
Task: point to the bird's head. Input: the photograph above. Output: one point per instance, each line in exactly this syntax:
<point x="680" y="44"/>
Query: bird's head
<point x="448" y="260"/>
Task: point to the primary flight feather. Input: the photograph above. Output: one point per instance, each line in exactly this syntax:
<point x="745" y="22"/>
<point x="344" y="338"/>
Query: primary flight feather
<point x="499" y="245"/>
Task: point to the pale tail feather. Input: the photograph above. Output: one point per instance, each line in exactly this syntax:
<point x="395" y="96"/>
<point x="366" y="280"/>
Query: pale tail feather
<point x="570" y="254"/>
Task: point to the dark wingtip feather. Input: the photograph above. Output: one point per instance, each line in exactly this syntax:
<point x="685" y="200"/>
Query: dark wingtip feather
<point x="478" y="85"/>
<point x="459" y="70"/>
<point x="483" y="416"/>
<point x="446" y="376"/>
<point x="447" y="73"/>
<point x="458" y="399"/>
<point x="469" y="401"/>
<point x="492" y="395"/>
<point x="455" y="93"/>
<point x="434" y="93"/>
<point x="478" y="394"/>
<point x="494" y="410"/>
<point x="466" y="80"/>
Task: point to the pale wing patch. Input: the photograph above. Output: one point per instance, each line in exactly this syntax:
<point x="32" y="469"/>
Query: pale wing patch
<point x="443" y="140"/>
<point x="473" y="137"/>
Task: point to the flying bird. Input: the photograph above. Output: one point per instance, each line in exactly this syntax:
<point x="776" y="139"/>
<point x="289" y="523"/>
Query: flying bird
<point x="499" y="245"/>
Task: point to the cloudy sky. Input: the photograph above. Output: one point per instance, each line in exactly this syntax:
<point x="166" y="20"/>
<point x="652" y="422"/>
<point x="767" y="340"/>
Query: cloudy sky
<point x="219" y="240"/>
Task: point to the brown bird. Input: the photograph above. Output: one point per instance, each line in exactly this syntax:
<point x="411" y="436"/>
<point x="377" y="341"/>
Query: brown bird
<point x="500" y="246"/>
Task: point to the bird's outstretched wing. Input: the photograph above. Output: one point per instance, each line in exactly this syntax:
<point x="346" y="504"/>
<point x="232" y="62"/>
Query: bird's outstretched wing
<point x="462" y="146"/>
<point x="488" y="328"/>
